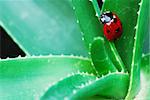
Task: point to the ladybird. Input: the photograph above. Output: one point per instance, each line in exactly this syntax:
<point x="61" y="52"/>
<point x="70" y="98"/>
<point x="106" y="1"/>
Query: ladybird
<point x="112" y="25"/>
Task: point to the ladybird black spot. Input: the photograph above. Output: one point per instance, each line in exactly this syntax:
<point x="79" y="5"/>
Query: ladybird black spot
<point x="115" y="20"/>
<point x="117" y="30"/>
<point x="108" y="31"/>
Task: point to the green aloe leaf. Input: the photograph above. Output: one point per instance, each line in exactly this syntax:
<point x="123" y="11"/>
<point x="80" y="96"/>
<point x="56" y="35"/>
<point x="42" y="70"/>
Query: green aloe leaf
<point x="100" y="58"/>
<point x="88" y="22"/>
<point x="69" y="84"/>
<point x="28" y="78"/>
<point x="137" y="48"/>
<point x="83" y="86"/>
<point x="37" y="25"/>
<point x="144" y="93"/>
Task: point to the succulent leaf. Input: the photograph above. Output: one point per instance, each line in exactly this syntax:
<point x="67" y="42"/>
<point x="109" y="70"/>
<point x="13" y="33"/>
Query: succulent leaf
<point x="27" y="78"/>
<point x="100" y="58"/>
<point x="82" y="86"/>
<point x="67" y="87"/>
<point x="37" y="25"/>
<point x="137" y="49"/>
<point x="88" y="22"/>
<point x="144" y="93"/>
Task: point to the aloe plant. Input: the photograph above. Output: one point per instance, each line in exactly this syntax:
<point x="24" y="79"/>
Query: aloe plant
<point x="105" y="69"/>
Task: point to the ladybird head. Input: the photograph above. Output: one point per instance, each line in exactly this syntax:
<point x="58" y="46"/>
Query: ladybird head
<point x="106" y="17"/>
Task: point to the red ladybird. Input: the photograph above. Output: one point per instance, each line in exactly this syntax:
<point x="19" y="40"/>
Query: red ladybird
<point x="112" y="25"/>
